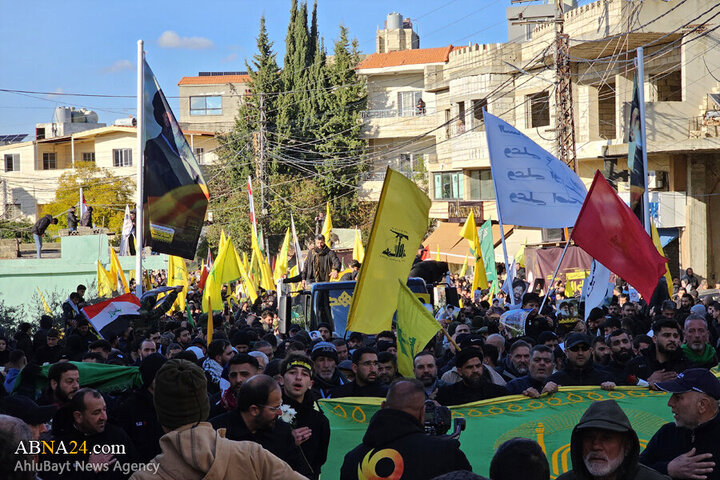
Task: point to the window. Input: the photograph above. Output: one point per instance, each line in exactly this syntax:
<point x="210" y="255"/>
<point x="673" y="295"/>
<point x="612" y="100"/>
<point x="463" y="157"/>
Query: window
<point x="209" y="105"/>
<point x="13" y="210"/>
<point x="12" y="162"/>
<point x="448" y="186"/>
<point x="666" y="87"/>
<point x="122" y="157"/>
<point x="49" y="161"/>
<point x="88" y="156"/>
<point x="407" y="102"/>
<point x="481" y="185"/>
<point x="200" y="154"/>
<point x="538" y="110"/>
<point x="477" y="114"/>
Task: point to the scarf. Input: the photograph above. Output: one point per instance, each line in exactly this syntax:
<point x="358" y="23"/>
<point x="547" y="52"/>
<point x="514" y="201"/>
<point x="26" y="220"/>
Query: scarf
<point x="74" y="307"/>
<point x="228" y="400"/>
<point x="214" y="369"/>
<point x="706" y="356"/>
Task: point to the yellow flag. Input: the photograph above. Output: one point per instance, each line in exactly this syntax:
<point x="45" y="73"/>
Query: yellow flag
<point x="520" y="256"/>
<point x="178" y="275"/>
<point x="46" y="307"/>
<point x="225" y="269"/>
<point x="223" y="239"/>
<point x="341" y="273"/>
<point x="116" y="271"/>
<point x="437" y="254"/>
<point x="400" y="223"/>
<point x="327" y="225"/>
<point x="265" y="274"/>
<point x="463" y="270"/>
<point x="469" y="232"/>
<point x="282" y="258"/>
<point x="249" y="286"/>
<point x="105" y="282"/>
<point x="210" y="326"/>
<point x="415" y="328"/>
<point x="658" y="245"/>
<point x="358" y="249"/>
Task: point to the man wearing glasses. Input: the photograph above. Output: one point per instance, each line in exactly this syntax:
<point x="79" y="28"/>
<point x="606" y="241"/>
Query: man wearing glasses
<point x="579" y="369"/>
<point x="366" y="384"/>
<point x="256" y="420"/>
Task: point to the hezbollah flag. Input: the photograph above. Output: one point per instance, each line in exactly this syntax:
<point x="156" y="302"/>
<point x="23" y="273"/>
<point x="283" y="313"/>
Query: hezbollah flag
<point x="281" y="262"/>
<point x="415" y="328"/>
<point x="658" y="246"/>
<point x="175" y="196"/>
<point x="105" y="282"/>
<point x="327" y="225"/>
<point x="358" y="249"/>
<point x="224" y="270"/>
<point x="469" y="232"/>
<point x="178" y="275"/>
<point x="398" y="228"/>
<point x="116" y="271"/>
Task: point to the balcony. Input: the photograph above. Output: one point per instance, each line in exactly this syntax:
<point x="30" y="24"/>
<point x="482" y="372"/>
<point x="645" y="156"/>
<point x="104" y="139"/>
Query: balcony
<point x="393" y="123"/>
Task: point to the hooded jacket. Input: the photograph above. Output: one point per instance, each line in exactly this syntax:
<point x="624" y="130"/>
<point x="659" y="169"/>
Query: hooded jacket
<point x="197" y="452"/>
<point x="309" y="414"/>
<point x="400" y="437"/>
<point x="607" y="415"/>
<point x="672" y="441"/>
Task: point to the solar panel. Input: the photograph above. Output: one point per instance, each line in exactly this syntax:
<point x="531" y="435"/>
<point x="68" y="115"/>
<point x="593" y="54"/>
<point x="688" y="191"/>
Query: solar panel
<point x="13" y="138"/>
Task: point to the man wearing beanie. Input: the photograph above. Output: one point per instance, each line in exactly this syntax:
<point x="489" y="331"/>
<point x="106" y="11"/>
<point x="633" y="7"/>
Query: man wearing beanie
<point x="191" y="448"/>
<point x="476" y="383"/>
<point x="311" y="427"/>
<point x="137" y="415"/>
<point x="256" y="420"/>
<point x="326" y="375"/>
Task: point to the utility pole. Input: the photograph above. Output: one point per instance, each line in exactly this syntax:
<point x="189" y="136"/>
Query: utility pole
<point x="564" y="116"/>
<point x="261" y="164"/>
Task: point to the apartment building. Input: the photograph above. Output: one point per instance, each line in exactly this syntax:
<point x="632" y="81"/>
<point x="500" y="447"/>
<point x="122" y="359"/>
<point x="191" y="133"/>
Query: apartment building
<point x="210" y="100"/>
<point x="30" y="170"/>
<point x="516" y="82"/>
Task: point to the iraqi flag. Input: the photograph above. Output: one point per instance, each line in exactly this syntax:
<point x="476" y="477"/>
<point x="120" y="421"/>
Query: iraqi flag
<point x="112" y="317"/>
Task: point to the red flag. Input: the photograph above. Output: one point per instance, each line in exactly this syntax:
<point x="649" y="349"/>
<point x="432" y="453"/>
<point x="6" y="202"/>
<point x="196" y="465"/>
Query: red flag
<point x="610" y="232"/>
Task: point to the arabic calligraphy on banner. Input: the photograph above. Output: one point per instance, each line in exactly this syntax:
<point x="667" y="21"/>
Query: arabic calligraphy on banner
<point x="533" y="188"/>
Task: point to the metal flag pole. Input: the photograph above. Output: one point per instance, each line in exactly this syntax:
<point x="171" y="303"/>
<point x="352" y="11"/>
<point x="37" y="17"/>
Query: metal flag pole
<point x="552" y="282"/>
<point x="640" y="64"/>
<point x="505" y="255"/>
<point x="139" y="222"/>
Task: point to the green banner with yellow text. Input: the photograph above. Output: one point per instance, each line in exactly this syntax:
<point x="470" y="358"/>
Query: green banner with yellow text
<point x="549" y="420"/>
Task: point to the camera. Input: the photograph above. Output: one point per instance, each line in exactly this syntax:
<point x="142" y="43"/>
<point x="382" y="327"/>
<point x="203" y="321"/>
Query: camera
<point x="438" y="420"/>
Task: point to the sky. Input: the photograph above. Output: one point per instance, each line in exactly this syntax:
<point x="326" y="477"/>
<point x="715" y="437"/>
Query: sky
<point x="90" y="47"/>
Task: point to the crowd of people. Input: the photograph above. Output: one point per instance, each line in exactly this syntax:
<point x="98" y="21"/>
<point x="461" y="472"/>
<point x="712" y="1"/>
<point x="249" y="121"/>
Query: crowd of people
<point x="245" y="404"/>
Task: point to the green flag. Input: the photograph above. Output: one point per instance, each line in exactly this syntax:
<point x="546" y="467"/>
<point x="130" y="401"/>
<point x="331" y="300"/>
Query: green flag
<point x="100" y="376"/>
<point x="487" y="246"/>
<point x="415" y="328"/>
<point x="549" y="420"/>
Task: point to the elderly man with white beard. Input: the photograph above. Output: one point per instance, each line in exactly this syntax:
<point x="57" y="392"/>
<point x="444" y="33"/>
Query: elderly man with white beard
<point x="604" y="446"/>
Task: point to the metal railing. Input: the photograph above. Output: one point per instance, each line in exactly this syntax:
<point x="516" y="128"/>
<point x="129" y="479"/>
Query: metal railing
<point x="395" y="113"/>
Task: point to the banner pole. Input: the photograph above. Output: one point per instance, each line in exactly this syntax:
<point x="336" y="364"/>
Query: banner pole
<point x="139" y="222"/>
<point x="640" y="60"/>
<point x="557" y="269"/>
<point x="505" y="255"/>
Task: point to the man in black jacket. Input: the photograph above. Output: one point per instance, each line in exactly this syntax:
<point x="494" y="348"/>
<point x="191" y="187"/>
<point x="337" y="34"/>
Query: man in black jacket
<point x="365" y="384"/>
<point x="256" y="420"/>
<point x="476" y="383"/>
<point x="321" y="264"/>
<point x="396" y="432"/>
<point x="326" y="375"/>
<point x="689" y="447"/>
<point x="604" y="445"/>
<point x="38" y="230"/>
<point x="311" y="427"/>
<point x="579" y="369"/>
<point x="664" y="359"/>
<point x="72" y="220"/>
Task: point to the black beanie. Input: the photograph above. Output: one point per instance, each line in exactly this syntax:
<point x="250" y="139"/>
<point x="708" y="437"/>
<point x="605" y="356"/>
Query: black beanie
<point x="150" y="366"/>
<point x="180" y="395"/>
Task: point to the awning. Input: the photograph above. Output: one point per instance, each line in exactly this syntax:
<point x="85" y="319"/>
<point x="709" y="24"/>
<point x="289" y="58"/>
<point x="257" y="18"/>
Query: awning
<point x="667" y="235"/>
<point x="452" y="246"/>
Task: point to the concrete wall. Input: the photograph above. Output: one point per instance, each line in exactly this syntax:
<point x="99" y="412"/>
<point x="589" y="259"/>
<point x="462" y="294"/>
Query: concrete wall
<point x="58" y="277"/>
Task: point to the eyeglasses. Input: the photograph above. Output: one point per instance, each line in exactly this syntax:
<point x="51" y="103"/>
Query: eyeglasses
<point x="580" y="348"/>
<point x="274" y="409"/>
<point x="369" y="363"/>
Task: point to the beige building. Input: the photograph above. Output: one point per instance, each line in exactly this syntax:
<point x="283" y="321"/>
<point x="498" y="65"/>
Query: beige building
<point x="30" y="170"/>
<point x="210" y="101"/>
<point x="515" y="81"/>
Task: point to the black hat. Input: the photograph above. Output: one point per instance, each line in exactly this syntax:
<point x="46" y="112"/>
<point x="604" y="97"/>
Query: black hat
<point x="53" y="333"/>
<point x="693" y="380"/>
<point x="27" y="410"/>
<point x="467" y="354"/>
<point x="324" y="324"/>
<point x="467" y="340"/>
<point x="150" y="366"/>
<point x="575" y="339"/>
<point x="324" y="349"/>
<point x="545" y="336"/>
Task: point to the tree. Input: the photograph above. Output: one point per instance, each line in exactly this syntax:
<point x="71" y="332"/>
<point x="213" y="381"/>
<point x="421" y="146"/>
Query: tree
<point x="103" y="191"/>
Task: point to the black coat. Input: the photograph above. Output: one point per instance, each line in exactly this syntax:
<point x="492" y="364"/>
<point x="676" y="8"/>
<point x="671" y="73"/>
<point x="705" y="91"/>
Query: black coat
<point x="72" y="220"/>
<point x="352" y="389"/>
<point x="42" y="224"/>
<point x="459" y="393"/>
<point x="46" y="354"/>
<point x="645" y="365"/>
<point x="137" y="417"/>
<point x="671" y="441"/>
<point x="278" y="440"/>
<point x="319" y="270"/>
<point x="310" y="415"/>
<point x="423" y="456"/>
<point x="586" y="376"/>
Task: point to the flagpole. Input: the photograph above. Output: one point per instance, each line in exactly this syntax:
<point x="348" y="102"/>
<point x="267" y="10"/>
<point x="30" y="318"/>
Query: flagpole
<point x="557" y="269"/>
<point x="640" y="63"/>
<point x="139" y="222"/>
<point x="505" y="255"/>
